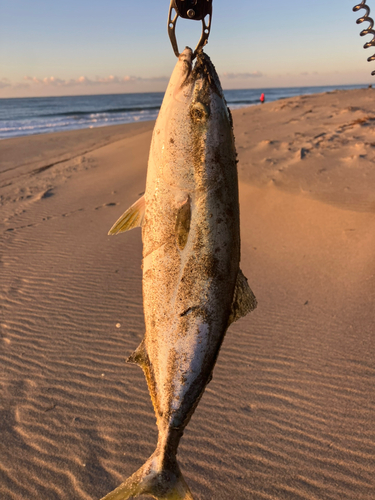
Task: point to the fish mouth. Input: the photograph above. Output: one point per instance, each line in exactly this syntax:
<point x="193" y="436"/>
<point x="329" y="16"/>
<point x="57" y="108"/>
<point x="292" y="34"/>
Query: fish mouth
<point x="204" y="72"/>
<point x="205" y="82"/>
<point x="181" y="78"/>
<point x="185" y="63"/>
<point x="198" y="80"/>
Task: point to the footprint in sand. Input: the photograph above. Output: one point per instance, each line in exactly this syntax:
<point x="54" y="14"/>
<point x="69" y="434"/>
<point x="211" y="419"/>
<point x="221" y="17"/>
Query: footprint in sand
<point x="303" y="153"/>
<point x="266" y="143"/>
<point x="110" y="204"/>
<point x="47" y="193"/>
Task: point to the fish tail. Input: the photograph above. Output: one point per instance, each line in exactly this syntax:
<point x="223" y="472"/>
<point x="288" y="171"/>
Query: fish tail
<point x="160" y="479"/>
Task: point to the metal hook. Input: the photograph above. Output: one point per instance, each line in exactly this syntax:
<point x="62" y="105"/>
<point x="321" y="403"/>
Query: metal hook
<point x="196" y="10"/>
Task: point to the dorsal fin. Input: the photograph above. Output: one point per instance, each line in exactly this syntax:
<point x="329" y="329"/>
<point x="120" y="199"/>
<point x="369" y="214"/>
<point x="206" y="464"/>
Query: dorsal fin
<point x="244" y="300"/>
<point x="133" y="217"/>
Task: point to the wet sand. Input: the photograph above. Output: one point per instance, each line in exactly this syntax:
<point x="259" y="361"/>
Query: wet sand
<point x="290" y="412"/>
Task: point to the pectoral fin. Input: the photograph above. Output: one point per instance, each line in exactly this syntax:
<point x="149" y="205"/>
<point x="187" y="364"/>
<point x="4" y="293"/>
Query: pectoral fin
<point x="130" y="219"/>
<point x="244" y="300"/>
<point x="182" y="227"/>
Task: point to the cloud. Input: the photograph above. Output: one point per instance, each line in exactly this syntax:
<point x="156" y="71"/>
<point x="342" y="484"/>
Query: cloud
<point x="232" y="76"/>
<point x="52" y="85"/>
<point x="85" y="81"/>
<point x="45" y="81"/>
<point x="156" y="79"/>
<point x="4" y="82"/>
<point x="55" y="82"/>
<point x="115" y="79"/>
<point x="103" y="81"/>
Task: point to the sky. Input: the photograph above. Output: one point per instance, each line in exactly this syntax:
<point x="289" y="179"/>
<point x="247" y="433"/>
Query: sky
<point x="74" y="47"/>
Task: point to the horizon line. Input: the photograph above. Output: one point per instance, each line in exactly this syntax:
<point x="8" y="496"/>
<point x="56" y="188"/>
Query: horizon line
<point x="162" y="92"/>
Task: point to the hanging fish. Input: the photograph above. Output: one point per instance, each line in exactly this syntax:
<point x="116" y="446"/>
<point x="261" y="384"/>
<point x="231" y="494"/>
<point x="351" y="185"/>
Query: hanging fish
<point x="193" y="288"/>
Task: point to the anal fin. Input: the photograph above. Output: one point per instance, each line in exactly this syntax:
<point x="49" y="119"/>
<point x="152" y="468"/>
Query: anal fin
<point x="133" y="217"/>
<point x="244" y="300"/>
<point x="139" y="356"/>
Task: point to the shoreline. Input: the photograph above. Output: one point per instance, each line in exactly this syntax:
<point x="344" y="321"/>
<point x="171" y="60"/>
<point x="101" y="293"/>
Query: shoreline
<point x="261" y="158"/>
<point x="82" y="112"/>
<point x="360" y="85"/>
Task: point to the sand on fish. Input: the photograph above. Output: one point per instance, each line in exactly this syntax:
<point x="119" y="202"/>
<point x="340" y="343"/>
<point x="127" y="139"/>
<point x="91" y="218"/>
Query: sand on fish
<point x="290" y="412"/>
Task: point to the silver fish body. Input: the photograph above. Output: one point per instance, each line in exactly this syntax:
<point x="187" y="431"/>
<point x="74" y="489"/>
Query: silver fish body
<point x="192" y="285"/>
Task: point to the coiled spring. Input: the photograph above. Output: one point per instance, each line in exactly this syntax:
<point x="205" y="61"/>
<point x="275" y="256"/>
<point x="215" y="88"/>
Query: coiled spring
<point x="369" y="30"/>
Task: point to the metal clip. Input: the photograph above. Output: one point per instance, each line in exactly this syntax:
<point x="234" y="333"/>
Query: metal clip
<point x="197" y="10"/>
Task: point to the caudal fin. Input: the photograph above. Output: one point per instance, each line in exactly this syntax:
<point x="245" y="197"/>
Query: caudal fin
<point x="154" y="479"/>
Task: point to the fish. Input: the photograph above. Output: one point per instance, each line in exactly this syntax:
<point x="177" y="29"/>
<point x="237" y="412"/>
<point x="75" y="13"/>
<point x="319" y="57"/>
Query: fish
<point x="193" y="287"/>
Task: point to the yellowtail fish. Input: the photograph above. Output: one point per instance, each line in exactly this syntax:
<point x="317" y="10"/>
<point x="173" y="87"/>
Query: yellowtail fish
<point x="193" y="288"/>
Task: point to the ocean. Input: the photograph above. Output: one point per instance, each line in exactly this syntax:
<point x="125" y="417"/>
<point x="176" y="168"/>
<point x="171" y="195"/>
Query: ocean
<point x="40" y="115"/>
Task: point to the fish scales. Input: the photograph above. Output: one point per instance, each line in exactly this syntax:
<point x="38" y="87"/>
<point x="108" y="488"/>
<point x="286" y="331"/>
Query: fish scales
<point x="192" y="285"/>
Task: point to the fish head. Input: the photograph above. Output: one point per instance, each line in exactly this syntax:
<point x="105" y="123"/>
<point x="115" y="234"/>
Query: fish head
<point x="194" y="97"/>
<point x="192" y="121"/>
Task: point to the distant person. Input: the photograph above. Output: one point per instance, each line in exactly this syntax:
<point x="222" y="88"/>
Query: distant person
<point x="262" y="98"/>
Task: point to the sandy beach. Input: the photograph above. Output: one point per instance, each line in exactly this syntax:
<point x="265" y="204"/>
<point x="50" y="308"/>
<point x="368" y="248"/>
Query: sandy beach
<point x="290" y="412"/>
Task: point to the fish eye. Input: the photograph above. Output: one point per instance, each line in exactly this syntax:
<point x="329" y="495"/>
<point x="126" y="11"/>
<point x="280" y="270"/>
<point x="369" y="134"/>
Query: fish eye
<point x="199" y="112"/>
